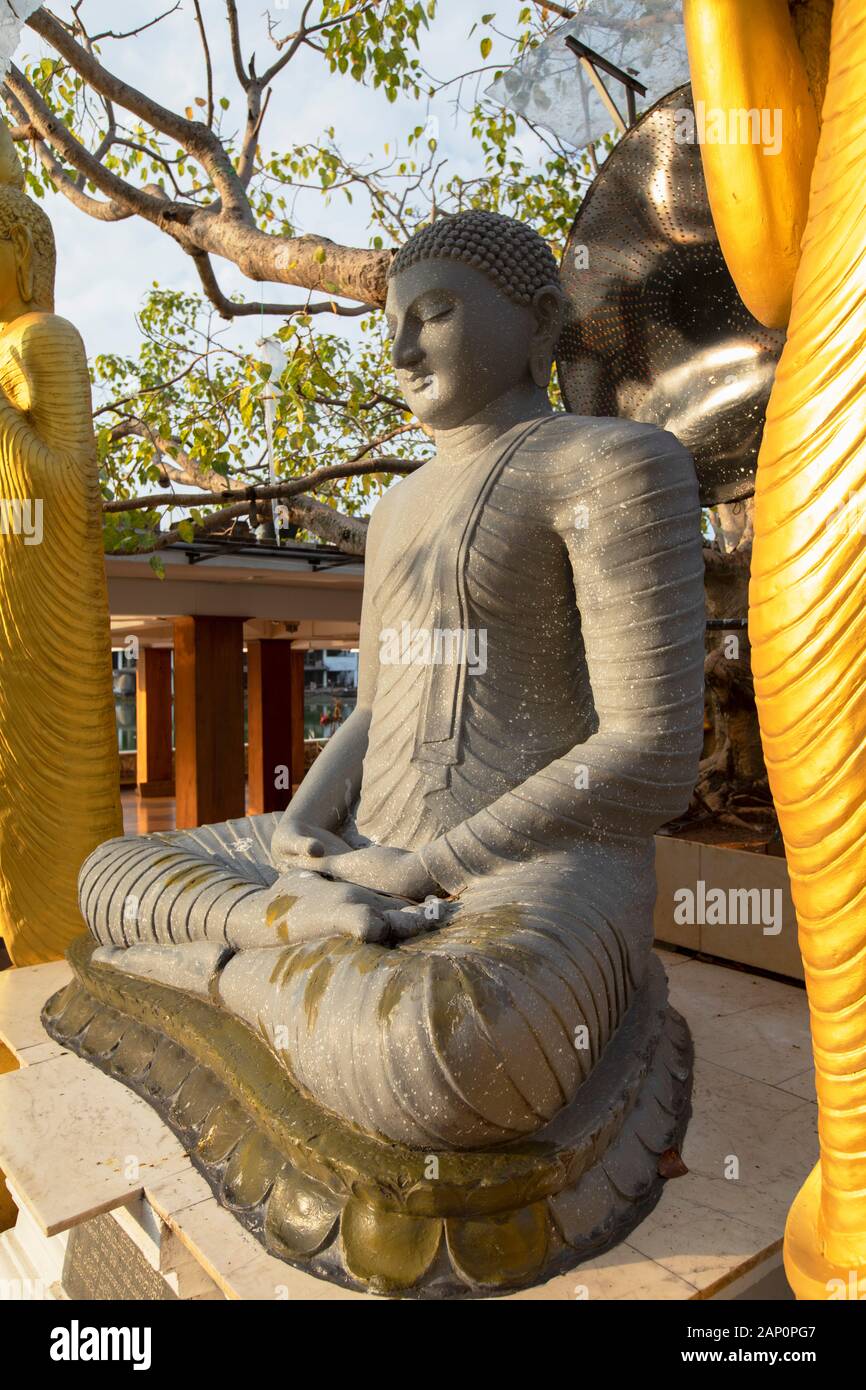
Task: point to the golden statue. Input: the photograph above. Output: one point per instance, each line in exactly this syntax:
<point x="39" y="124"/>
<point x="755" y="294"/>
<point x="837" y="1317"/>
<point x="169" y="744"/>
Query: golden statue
<point x="794" y="234"/>
<point x="59" y="775"/>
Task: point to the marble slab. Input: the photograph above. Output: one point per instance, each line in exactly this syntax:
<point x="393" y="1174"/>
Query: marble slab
<point x="74" y="1143"/>
<point x="803" y="1084"/>
<point x="23" y="991"/>
<point x="755" y="1026"/>
<point x="227" y="1252"/>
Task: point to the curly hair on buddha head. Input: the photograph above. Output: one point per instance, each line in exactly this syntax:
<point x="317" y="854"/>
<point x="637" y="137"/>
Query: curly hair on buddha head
<point x="508" y="252"/>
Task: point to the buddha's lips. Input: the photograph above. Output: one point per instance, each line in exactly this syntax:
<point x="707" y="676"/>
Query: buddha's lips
<point x="423" y="383"/>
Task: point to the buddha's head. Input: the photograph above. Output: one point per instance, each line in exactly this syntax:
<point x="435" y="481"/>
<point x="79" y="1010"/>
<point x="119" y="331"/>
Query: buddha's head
<point x="474" y="309"/>
<point x="27" y="252"/>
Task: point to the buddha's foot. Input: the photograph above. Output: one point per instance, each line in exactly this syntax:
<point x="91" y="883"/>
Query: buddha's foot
<point x="378" y="1216"/>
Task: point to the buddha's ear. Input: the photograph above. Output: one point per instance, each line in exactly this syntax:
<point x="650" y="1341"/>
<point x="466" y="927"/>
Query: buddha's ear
<point x="548" y="307"/>
<point x="22" y="243"/>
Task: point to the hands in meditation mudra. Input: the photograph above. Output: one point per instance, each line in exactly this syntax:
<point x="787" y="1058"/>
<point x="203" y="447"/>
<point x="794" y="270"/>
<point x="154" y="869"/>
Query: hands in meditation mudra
<point x="444" y="944"/>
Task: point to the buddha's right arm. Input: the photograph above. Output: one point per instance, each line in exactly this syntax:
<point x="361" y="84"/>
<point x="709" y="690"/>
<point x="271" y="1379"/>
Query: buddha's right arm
<point x="329" y="789"/>
<point x="333" y="783"/>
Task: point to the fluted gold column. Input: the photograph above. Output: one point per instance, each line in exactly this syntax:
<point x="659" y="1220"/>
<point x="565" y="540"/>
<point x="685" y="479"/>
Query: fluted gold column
<point x="808" y="592"/>
<point x="744" y="56"/>
<point x="808" y="632"/>
<point x="59" y="767"/>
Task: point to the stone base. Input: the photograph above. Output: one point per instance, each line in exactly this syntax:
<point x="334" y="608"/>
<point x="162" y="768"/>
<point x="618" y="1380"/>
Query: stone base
<point x="375" y="1216"/>
<point x="76" y="1144"/>
<point x="197" y="1252"/>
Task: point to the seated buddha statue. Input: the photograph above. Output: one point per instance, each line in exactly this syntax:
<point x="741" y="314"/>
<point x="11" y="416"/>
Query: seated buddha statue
<point x="445" y="940"/>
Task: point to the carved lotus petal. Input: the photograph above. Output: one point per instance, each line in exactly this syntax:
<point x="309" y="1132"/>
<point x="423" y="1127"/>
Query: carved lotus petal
<point x="61" y="1000"/>
<point x="584" y="1214"/>
<point x="171" y="1066"/>
<point x="135" y="1052"/>
<point x="500" y="1250"/>
<point x="626" y="1166"/>
<point x="226" y="1127"/>
<point x="103" y="1034"/>
<point x="251" y="1172"/>
<point x="197" y="1097"/>
<point x="77" y="1013"/>
<point x="301" y="1215"/>
<point x="385" y="1249"/>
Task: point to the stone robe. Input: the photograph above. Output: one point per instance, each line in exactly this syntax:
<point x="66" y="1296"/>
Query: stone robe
<point x="530" y="776"/>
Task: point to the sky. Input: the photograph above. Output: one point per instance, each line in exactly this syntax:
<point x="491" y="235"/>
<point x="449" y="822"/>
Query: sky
<point x="104" y="270"/>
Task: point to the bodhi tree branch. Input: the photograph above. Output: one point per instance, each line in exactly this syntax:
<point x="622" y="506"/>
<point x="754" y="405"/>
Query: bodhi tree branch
<point x="262" y="492"/>
<point x="231" y="309"/>
<point x="348" y="533"/>
<point x="325" y="522"/>
<point x="225" y="227"/>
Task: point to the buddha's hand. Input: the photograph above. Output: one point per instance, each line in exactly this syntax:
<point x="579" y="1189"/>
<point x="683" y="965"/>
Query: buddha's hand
<point x="297" y="840"/>
<point x="303" y="906"/>
<point x="396" y="871"/>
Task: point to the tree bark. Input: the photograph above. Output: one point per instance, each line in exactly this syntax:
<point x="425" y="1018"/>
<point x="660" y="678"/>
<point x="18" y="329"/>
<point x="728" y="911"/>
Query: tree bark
<point x="226" y="228"/>
<point x="732" y="791"/>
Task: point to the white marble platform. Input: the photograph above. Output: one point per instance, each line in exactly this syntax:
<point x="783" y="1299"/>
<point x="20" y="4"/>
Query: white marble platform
<point x="75" y="1144"/>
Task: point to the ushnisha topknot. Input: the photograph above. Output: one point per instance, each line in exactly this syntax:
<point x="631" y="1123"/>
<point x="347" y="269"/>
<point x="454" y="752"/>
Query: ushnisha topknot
<point x="509" y="252"/>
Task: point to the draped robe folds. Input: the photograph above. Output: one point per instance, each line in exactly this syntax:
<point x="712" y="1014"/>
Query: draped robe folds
<point x="530" y="782"/>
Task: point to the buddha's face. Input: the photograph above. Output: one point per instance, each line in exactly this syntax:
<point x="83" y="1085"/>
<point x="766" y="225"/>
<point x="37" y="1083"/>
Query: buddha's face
<point x="459" y="343"/>
<point x="8" y="265"/>
<point x="16" y="273"/>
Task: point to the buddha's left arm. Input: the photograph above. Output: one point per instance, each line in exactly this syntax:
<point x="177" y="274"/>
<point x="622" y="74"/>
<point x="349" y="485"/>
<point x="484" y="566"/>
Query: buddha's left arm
<point x="631" y="527"/>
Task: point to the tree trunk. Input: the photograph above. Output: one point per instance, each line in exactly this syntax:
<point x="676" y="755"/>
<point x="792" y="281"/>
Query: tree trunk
<point x="732" y="797"/>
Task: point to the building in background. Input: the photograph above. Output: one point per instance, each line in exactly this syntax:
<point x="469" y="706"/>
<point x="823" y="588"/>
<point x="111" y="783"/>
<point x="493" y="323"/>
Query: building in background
<point x="229" y="672"/>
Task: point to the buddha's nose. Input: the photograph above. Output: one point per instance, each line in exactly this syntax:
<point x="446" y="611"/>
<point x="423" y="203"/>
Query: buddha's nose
<point x="406" y="351"/>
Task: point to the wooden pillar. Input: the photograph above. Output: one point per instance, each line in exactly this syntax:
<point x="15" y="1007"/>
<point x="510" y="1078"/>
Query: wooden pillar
<point x="153" y="764"/>
<point x="208" y="719"/>
<point x="275" y="719"/>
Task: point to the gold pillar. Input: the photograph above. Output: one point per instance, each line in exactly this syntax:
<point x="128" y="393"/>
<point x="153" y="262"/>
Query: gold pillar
<point x="8" y="1209"/>
<point x="744" y="57"/>
<point x="59" y="765"/>
<point x="808" y="608"/>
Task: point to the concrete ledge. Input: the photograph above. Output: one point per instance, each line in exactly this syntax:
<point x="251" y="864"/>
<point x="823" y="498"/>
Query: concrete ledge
<point x="686" y="863"/>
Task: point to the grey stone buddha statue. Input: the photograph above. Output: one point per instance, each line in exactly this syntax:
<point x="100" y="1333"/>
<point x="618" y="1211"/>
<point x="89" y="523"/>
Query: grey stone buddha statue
<point x="427" y="992"/>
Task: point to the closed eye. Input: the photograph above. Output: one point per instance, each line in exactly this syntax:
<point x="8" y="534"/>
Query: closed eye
<point x="441" y="311"/>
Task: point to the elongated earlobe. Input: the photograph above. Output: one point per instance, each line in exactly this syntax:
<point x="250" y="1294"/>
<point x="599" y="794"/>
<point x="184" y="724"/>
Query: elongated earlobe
<point x="548" y="306"/>
<point x="541" y="364"/>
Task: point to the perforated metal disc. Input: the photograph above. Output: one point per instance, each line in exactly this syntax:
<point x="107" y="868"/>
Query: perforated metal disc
<point x="658" y="332"/>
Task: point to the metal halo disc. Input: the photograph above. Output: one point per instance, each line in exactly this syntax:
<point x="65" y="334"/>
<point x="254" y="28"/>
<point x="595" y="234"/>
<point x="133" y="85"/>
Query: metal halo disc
<point x="656" y="330"/>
